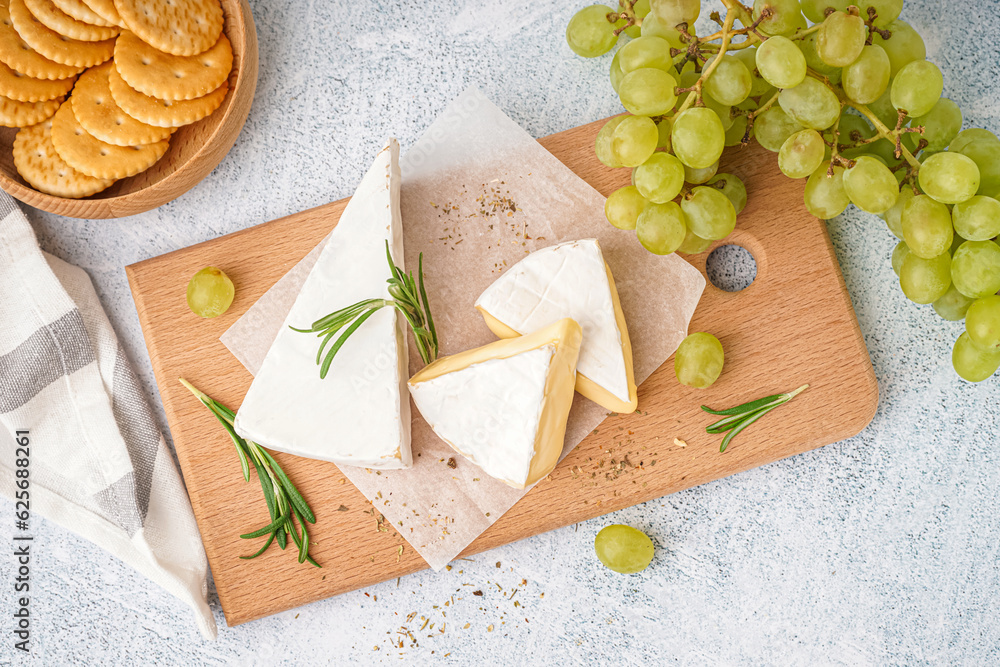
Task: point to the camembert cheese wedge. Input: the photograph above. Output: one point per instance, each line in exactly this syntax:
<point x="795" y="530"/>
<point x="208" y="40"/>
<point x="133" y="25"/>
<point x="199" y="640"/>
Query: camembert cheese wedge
<point x="359" y="415"/>
<point x="504" y="406"/>
<point x="570" y="280"/>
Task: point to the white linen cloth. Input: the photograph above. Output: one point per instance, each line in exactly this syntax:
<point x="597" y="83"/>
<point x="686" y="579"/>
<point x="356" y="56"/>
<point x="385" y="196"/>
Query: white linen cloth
<point x="98" y="464"/>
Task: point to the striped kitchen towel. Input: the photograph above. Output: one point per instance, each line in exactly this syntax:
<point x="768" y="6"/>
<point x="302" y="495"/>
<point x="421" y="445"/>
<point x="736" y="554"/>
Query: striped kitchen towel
<point x="98" y="464"/>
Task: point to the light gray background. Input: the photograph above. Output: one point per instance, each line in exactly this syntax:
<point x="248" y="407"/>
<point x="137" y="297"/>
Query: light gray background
<point x="881" y="549"/>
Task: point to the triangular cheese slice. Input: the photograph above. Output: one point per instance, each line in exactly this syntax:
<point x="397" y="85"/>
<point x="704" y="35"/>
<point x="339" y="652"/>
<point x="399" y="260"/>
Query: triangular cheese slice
<point x="570" y="280"/>
<point x="504" y="406"/>
<point x="359" y="414"/>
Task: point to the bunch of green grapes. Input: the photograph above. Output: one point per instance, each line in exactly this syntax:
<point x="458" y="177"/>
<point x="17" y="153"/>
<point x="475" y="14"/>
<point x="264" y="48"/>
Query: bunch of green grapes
<point x="843" y="93"/>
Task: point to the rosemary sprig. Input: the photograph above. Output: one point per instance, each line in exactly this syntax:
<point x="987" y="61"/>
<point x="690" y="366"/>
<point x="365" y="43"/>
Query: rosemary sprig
<point x="284" y="502"/>
<point x="408" y="297"/>
<point x="738" y="418"/>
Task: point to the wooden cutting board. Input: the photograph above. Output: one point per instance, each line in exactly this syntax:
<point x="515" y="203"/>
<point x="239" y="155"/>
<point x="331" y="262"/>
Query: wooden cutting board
<point x="793" y="325"/>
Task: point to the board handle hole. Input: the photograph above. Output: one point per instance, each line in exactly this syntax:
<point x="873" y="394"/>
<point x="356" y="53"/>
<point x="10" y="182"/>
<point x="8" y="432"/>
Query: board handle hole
<point x="731" y="268"/>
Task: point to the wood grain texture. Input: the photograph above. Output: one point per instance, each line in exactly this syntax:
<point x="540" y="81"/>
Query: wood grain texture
<point x="793" y="325"/>
<point x="195" y="150"/>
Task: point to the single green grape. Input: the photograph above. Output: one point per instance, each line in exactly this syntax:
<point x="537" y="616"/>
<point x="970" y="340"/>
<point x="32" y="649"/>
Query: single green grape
<point x="903" y="46"/>
<point x="811" y="104"/>
<point x="780" y="62"/>
<point x="975" y="269"/>
<point x="731" y="186"/>
<point x="589" y="33"/>
<point x="824" y="195"/>
<point x="698" y="137"/>
<point x="801" y="154"/>
<point x="730" y="82"/>
<point x="815" y="10"/>
<point x="603" y="144"/>
<point x="983" y="322"/>
<point x="950" y="178"/>
<point x="867" y="78"/>
<point x="736" y="132"/>
<point x="953" y="305"/>
<point x="694" y="244"/>
<point x="641" y="9"/>
<point x="840" y="39"/>
<point x="210" y="292"/>
<point x="661" y="228"/>
<point x="926" y="227"/>
<point x="645" y="52"/>
<point x="760" y="86"/>
<point x="648" y="91"/>
<point x="925" y="280"/>
<point x="899" y="255"/>
<point x="663" y="130"/>
<point x="654" y="26"/>
<point x="871" y="186"/>
<point x="917" y="88"/>
<point x="674" y="12"/>
<point x="615" y="71"/>
<point x="785" y="16"/>
<point x="977" y="219"/>
<point x="986" y="155"/>
<point x="894" y="216"/>
<point x="660" y="178"/>
<point x="773" y="127"/>
<point x="624" y="549"/>
<point x="972" y="362"/>
<point x="634" y="140"/>
<point x="883" y="109"/>
<point x="699" y="176"/>
<point x="623" y="207"/>
<point x="699" y="360"/>
<point x="709" y="213"/>
<point x="967" y="136"/>
<point x="941" y="124"/>
<point x="807" y="45"/>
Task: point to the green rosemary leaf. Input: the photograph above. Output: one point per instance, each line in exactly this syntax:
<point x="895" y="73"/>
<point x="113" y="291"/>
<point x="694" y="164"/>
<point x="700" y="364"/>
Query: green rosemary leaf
<point x="269" y="528"/>
<point x="261" y="550"/>
<point x="426" y="304"/>
<point x="267" y="488"/>
<point x="732" y="421"/>
<point x="742" y="425"/>
<point x="294" y="497"/>
<point x="324" y="369"/>
<point x="746" y="407"/>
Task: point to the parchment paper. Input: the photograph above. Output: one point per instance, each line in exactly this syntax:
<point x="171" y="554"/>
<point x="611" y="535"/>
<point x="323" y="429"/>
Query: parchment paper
<point x="478" y="194"/>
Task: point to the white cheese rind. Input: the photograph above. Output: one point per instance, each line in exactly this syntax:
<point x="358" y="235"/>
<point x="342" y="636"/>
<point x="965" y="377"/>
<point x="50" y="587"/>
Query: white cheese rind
<point x="565" y="280"/>
<point x="360" y="413"/>
<point x="490" y="411"/>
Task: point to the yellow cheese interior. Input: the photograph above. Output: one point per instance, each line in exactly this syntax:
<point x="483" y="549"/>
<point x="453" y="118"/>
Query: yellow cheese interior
<point x="566" y="336"/>
<point x="584" y="384"/>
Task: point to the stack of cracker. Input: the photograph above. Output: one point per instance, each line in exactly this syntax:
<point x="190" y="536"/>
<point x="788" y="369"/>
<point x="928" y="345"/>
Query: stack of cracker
<point x="141" y="69"/>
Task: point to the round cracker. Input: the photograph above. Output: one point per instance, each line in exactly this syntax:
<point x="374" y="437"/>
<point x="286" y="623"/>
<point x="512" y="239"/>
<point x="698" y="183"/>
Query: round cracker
<point x="81" y="12"/>
<point x="164" y="113"/>
<point x="95" y="109"/>
<point x="22" y="114"/>
<point x="62" y="23"/>
<point x="169" y="77"/>
<point x="16" y="54"/>
<point x="24" y="88"/>
<point x="54" y="46"/>
<point x="106" y="10"/>
<point x="96" y="158"/>
<point x="180" y="27"/>
<point x="41" y="167"/>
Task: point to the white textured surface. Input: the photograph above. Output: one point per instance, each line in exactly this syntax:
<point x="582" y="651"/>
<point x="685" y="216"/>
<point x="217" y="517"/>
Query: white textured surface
<point x="882" y="549"/>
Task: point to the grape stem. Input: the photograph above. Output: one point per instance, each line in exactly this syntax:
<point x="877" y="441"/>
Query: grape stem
<point x="626" y="13"/>
<point x="727" y="33"/>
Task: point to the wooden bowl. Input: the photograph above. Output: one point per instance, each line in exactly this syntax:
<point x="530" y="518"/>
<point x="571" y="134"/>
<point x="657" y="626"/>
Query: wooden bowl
<point x="195" y="150"/>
